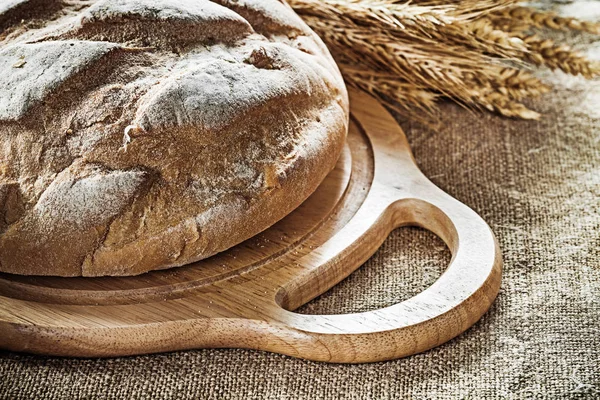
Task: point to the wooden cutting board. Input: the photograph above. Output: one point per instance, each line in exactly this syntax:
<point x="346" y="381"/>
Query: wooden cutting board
<point x="244" y="297"/>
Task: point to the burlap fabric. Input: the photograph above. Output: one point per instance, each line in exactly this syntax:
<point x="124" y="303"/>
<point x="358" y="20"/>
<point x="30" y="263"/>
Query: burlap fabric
<point x="538" y="186"/>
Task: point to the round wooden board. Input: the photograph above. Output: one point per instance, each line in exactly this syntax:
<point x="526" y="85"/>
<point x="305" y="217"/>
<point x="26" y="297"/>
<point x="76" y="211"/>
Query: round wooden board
<point x="244" y="296"/>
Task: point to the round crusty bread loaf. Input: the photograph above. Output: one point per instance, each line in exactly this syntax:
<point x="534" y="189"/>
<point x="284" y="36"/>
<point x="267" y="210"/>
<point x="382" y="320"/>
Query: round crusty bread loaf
<point x="146" y="134"/>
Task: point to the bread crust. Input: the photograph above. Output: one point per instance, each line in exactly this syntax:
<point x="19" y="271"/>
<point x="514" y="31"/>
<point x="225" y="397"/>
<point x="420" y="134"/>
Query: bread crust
<point x="149" y="134"/>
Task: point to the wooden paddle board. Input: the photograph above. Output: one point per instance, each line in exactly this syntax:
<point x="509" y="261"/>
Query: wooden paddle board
<point x="245" y="297"/>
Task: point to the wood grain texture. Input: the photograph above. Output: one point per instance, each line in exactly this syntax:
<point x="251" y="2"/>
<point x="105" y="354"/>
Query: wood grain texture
<point x="244" y="297"/>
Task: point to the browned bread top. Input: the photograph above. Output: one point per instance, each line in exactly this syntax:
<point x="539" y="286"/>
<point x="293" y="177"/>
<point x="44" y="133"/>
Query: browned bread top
<point x="148" y="134"/>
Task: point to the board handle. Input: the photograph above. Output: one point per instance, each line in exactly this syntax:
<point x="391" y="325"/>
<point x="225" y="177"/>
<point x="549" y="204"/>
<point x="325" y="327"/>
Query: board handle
<point x="452" y="304"/>
<point x="404" y="197"/>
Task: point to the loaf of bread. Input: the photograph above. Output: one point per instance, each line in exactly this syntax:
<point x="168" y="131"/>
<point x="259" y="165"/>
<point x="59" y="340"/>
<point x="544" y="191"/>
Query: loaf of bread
<point x="146" y="134"/>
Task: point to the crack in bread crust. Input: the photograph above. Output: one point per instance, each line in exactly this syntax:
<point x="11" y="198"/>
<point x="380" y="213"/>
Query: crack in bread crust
<point x="152" y="132"/>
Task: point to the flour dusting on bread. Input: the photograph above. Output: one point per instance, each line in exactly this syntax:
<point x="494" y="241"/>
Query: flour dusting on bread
<point x="170" y="129"/>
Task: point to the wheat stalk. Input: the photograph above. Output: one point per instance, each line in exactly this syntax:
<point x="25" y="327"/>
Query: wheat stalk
<point x="406" y="96"/>
<point x="410" y="54"/>
<point x="546" y="52"/>
<point x="547" y="19"/>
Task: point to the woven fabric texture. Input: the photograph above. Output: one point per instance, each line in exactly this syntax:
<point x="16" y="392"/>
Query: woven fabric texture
<point x="538" y="186"/>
